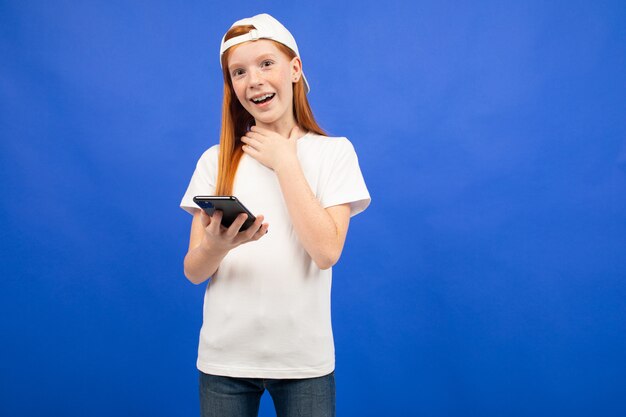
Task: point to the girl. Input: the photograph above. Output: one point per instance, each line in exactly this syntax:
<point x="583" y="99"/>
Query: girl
<point x="267" y="320"/>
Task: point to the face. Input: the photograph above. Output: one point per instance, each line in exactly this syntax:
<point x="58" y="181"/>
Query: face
<point x="262" y="77"/>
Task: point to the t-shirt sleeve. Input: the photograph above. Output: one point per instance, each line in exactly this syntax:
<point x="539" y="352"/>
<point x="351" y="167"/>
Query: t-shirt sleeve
<point x="203" y="181"/>
<point x="345" y="183"/>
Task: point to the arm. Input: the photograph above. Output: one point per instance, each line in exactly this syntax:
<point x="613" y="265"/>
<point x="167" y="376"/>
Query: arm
<point x="210" y="242"/>
<point x="322" y="232"/>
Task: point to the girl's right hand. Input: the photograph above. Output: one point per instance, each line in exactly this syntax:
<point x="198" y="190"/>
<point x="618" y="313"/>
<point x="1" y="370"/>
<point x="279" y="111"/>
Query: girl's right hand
<point x="219" y="238"/>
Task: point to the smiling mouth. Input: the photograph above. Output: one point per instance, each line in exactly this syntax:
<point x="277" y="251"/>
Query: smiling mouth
<point x="263" y="99"/>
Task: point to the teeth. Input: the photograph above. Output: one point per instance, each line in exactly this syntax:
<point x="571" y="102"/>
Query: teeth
<point x="257" y="99"/>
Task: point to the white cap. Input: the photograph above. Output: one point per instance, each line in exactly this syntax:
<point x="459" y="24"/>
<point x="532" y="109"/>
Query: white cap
<point x="266" y="27"/>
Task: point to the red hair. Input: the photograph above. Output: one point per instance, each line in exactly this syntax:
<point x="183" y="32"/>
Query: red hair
<point x="236" y="120"/>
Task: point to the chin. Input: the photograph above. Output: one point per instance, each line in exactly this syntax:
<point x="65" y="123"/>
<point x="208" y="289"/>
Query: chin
<point x="265" y="119"/>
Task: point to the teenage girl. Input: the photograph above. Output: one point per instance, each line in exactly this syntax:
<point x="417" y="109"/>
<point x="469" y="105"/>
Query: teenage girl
<point x="267" y="322"/>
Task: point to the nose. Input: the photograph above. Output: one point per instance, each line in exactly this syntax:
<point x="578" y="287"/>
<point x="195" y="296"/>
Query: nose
<point x="255" y="79"/>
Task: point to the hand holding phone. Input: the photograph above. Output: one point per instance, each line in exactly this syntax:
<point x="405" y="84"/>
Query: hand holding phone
<point x="230" y="207"/>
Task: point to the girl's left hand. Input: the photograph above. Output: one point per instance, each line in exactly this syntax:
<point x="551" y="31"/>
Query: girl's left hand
<point x="270" y="148"/>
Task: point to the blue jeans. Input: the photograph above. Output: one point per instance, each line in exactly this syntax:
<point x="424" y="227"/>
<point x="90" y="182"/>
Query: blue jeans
<point x="222" y="396"/>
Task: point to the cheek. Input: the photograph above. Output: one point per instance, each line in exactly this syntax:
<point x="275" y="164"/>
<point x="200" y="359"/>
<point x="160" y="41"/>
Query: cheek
<point x="284" y="80"/>
<point x="240" y="93"/>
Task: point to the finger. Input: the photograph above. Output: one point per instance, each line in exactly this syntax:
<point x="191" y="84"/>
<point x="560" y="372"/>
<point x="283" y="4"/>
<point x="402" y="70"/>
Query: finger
<point x="249" y="234"/>
<point x="254" y="227"/>
<point x="250" y="141"/>
<point x="216" y="222"/>
<point x="261" y="232"/>
<point x="250" y="151"/>
<point x="205" y="219"/>
<point x="254" y="136"/>
<point x="236" y="225"/>
<point x="258" y="130"/>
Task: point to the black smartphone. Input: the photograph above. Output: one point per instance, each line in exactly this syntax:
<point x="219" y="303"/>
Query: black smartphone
<point x="229" y="205"/>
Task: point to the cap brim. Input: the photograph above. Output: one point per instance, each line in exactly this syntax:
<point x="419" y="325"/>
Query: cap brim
<point x="306" y="84"/>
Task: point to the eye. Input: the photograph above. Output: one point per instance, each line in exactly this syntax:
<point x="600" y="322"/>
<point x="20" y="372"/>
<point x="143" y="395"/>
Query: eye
<point x="267" y="63"/>
<point x="237" y="72"/>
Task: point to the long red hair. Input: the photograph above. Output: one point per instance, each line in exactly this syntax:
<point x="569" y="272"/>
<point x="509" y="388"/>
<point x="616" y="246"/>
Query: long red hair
<point x="236" y="120"/>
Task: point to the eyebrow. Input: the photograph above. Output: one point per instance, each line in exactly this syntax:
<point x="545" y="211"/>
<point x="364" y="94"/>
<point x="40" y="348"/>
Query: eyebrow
<point x="236" y="64"/>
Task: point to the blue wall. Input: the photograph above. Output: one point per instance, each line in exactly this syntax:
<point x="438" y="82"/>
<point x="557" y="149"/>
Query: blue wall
<point x="486" y="279"/>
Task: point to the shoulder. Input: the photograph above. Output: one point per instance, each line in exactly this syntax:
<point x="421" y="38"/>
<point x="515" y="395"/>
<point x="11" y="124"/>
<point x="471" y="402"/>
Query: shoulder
<point x="210" y="153"/>
<point x="207" y="163"/>
<point x="333" y="144"/>
<point x="209" y="157"/>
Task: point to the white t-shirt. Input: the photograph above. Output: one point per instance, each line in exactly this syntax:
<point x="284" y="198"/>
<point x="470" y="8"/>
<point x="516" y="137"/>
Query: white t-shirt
<point x="267" y="308"/>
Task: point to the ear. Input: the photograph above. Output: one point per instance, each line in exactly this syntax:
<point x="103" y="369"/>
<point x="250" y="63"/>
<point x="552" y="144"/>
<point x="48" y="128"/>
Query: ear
<point x="296" y="69"/>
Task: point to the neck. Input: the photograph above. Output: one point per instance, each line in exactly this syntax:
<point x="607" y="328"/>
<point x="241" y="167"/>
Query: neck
<point x="282" y="127"/>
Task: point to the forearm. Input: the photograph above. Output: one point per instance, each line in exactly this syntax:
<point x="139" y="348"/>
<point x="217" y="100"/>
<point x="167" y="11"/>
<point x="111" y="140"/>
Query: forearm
<point x="202" y="262"/>
<point x="314" y="227"/>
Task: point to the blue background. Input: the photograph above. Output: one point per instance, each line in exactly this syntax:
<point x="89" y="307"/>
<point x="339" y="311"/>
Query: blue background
<point x="487" y="278"/>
